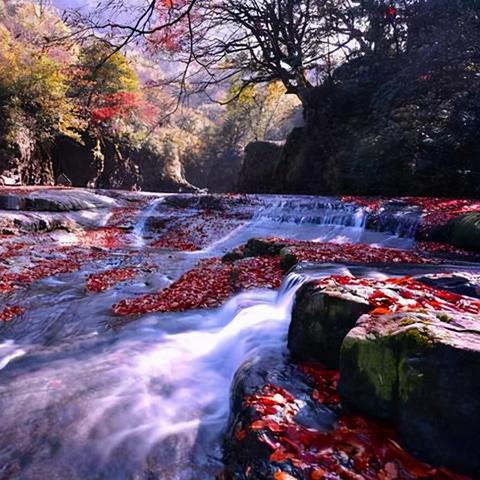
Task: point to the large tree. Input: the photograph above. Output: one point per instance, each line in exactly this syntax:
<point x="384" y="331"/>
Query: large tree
<point x="298" y="42"/>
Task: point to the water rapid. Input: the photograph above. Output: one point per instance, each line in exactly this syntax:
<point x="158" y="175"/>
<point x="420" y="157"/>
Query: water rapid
<point x="152" y="400"/>
<point x="81" y="398"/>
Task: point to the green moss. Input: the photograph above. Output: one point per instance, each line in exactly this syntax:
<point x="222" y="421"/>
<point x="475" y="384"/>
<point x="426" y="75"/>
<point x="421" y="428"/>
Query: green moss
<point x="405" y="322"/>
<point x="377" y="362"/>
<point x="409" y="380"/>
<point x="444" y="317"/>
<point x="415" y="339"/>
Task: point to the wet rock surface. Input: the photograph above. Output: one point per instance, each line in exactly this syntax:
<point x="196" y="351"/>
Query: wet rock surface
<point x="287" y="422"/>
<point x="122" y="327"/>
<point x="413" y="368"/>
<point x="412" y="359"/>
<point x="321" y="319"/>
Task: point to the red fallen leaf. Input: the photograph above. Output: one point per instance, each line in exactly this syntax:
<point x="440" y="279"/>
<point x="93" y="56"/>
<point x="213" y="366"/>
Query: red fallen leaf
<point x="318" y="474"/>
<point x="9" y="313"/>
<point x="358" y="448"/>
<point x="101" y="281"/>
<point x="105" y="237"/>
<point x="391" y="11"/>
<point x="283" y="476"/>
<point x="240" y="435"/>
<point x="402" y="295"/>
<point x="208" y="285"/>
<point x="380" y="311"/>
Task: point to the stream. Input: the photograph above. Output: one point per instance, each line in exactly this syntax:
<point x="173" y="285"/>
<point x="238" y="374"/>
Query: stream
<point x="80" y="399"/>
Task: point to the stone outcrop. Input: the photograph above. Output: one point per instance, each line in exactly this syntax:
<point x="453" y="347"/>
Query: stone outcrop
<point x="95" y="160"/>
<point x="464" y="231"/>
<point x="404" y="124"/>
<point x="413" y="358"/>
<point x="259" y="164"/>
<point x="422" y="371"/>
<point x="321" y="319"/>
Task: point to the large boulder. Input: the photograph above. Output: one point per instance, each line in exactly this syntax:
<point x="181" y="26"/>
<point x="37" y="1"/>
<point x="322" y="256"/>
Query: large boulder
<point x="420" y="369"/>
<point x="321" y="319"/>
<point x="261" y="159"/>
<point x="464" y="231"/>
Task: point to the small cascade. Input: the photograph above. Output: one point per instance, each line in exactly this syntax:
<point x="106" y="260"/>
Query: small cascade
<point x="397" y="219"/>
<point x="161" y="391"/>
<point x="312" y="211"/>
<point x="140" y="227"/>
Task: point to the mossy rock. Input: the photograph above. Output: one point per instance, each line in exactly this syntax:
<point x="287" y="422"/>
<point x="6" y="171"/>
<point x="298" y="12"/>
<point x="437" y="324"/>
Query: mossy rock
<point x="465" y="231"/>
<point x="421" y="372"/>
<point x="320" y="321"/>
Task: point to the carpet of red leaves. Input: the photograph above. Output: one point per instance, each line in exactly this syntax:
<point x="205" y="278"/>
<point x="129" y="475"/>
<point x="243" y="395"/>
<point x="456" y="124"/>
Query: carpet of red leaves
<point x="212" y="281"/>
<point x="105" y="237"/>
<point x="330" y="252"/>
<point x="45" y="268"/>
<point x="9" y="313"/>
<point x="356" y="449"/>
<point x="401" y="295"/>
<point x="101" y="281"/>
<point x="208" y="285"/>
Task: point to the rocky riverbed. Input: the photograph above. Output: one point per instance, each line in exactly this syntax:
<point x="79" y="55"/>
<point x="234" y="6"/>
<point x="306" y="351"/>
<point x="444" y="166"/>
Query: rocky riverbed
<point x="127" y="318"/>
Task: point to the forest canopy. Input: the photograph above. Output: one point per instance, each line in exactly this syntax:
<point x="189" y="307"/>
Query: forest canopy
<point x="164" y="94"/>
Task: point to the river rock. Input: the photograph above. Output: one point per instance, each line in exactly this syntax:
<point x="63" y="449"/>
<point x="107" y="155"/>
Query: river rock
<point x="261" y="159"/>
<point x="55" y="200"/>
<point x="420" y="369"/>
<point x="321" y="319"/>
<point x="464" y="231"/>
<point x="247" y="454"/>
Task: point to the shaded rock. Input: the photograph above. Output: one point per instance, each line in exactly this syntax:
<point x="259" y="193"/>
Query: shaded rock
<point x="290" y="174"/>
<point x="464" y="231"/>
<point x="256" y="247"/>
<point x="289" y="259"/>
<point x="63" y="180"/>
<point x="321" y="319"/>
<point x="247" y="454"/>
<point x="55" y="200"/>
<point x="261" y="159"/>
<point x="420" y="369"/>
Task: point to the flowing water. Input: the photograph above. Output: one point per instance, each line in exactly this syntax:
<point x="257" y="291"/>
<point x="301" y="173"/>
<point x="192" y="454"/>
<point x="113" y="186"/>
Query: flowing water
<point x="82" y="400"/>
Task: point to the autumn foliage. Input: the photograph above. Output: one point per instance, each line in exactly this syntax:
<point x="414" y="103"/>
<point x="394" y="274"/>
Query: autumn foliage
<point x="357" y="448"/>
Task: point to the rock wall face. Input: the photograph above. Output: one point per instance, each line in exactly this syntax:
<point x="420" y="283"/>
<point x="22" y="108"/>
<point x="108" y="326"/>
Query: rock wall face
<point x="261" y="160"/>
<point x="406" y="352"/>
<point x="99" y="161"/>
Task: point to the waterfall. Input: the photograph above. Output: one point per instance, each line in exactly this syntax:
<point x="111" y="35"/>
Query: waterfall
<point x="313" y="211"/>
<point x="139" y="230"/>
<point x="158" y="390"/>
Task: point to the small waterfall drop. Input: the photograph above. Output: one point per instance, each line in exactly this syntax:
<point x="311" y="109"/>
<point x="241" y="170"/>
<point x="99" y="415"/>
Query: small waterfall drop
<point x="160" y="391"/>
<point x="312" y="211"/>
<point x="139" y="230"/>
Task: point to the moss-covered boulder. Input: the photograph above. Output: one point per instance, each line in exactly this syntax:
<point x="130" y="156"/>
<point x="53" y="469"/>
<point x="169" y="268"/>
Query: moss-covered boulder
<point x="464" y="231"/>
<point x="420" y="369"/>
<point x="321" y="318"/>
